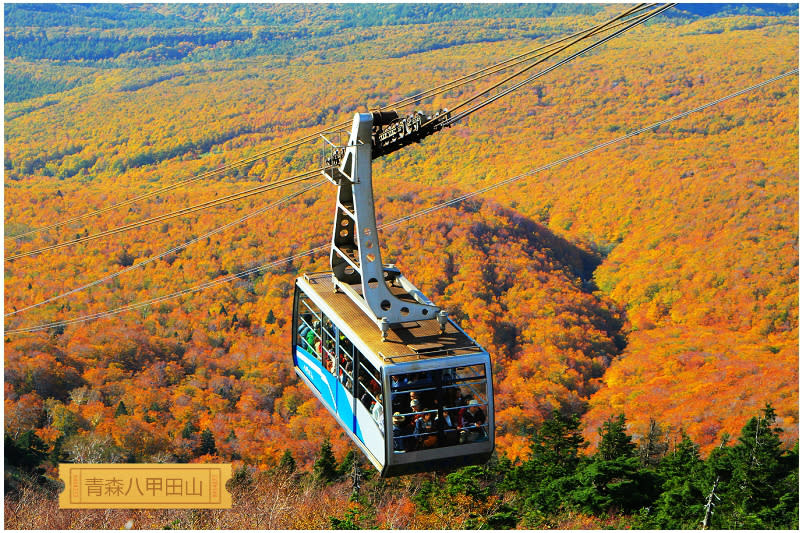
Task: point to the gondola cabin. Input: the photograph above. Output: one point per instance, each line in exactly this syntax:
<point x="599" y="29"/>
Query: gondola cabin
<point x="419" y="400"/>
<point x="409" y="387"/>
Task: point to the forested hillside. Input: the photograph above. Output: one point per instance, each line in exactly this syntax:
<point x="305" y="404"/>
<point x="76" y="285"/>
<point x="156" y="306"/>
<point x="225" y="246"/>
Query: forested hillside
<point x="647" y="290"/>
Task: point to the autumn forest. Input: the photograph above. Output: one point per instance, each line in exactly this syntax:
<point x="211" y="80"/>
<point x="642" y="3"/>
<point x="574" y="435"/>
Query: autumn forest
<point x="639" y="302"/>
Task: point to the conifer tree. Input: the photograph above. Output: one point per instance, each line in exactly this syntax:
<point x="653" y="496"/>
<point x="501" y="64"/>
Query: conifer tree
<point x="680" y="505"/>
<point x="755" y="481"/>
<point x="785" y="514"/>
<point x="614" y="479"/>
<point x="121" y="410"/>
<point x="189" y="429"/>
<point x="241" y="478"/>
<point x="287" y="463"/>
<point x="758" y="476"/>
<point x="207" y="443"/>
<point x="325" y="467"/>
<point x="614" y="442"/>
<point x="545" y="478"/>
<point x="347" y="463"/>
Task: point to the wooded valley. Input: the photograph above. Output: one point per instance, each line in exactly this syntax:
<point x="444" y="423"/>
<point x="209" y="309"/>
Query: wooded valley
<point x="639" y="303"/>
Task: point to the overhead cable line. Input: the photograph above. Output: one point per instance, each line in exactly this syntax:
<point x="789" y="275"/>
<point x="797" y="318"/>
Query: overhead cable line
<point x="503" y="65"/>
<point x="197" y="288"/>
<point x="405" y="102"/>
<point x="582" y="153"/>
<point x="160" y="191"/>
<point x="401" y="220"/>
<point x="173" y="250"/>
<point x="638" y="20"/>
<point x="586" y="35"/>
<point x="181" y="212"/>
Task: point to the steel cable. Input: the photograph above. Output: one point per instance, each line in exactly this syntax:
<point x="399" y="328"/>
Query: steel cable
<point x="639" y="20"/>
<point x="401" y="220"/>
<point x="503" y="65"/>
<point x="173" y="250"/>
<point x="592" y="32"/>
<point x="453" y="84"/>
<point x="181" y="212"/>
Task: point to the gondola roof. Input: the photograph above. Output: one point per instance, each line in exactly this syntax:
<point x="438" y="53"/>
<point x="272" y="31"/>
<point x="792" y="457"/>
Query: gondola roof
<point x="407" y="342"/>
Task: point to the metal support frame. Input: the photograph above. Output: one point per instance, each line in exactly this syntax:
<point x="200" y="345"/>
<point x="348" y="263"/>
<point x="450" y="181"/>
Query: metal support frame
<point x="355" y="256"/>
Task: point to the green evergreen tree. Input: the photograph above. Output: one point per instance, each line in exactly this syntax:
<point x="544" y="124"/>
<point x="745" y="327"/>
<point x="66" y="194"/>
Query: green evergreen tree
<point x="287" y="462"/>
<point x="241" y="478"/>
<point x="189" y="429"/>
<point x="57" y="455"/>
<point x="545" y="478"/>
<point x="758" y="476"/>
<point x="470" y="481"/>
<point x="346" y="467"/>
<point x="614" y="479"/>
<point x="348" y="523"/>
<point x="207" y="443"/>
<point x="680" y="505"/>
<point x="719" y="468"/>
<point x="26" y="452"/>
<point x="121" y="410"/>
<point x="615" y="443"/>
<point x="754" y="481"/>
<point x="785" y="513"/>
<point x="325" y="467"/>
<point x="477" y="483"/>
<point x="22" y="460"/>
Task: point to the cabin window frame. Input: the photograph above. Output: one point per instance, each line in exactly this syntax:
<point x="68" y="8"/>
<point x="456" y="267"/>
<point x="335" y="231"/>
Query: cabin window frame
<point x="303" y="299"/>
<point x="345" y="377"/>
<point x="441" y="379"/>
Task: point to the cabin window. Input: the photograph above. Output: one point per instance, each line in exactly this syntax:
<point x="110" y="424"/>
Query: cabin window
<point x="316" y="334"/>
<point x="436" y="408"/>
<point x="346" y="357"/>
<point x="309" y="327"/>
<point x="369" y="390"/>
<point x="369" y="383"/>
<point x="327" y="345"/>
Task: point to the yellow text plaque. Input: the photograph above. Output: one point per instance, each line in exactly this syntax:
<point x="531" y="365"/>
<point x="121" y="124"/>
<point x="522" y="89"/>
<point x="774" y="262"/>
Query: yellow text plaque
<point x="144" y="486"/>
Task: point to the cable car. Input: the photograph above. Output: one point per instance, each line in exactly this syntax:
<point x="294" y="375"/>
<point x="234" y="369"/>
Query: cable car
<point x="408" y="386"/>
<point x="419" y="400"/>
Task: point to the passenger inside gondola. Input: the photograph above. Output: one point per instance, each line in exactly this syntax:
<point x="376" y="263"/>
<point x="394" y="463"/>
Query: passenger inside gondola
<point x="377" y="412"/>
<point x="448" y="431"/>
<point x="305" y="320"/>
<point x="425" y="431"/>
<point x="399" y="381"/>
<point x="345" y="371"/>
<point x="402" y="441"/>
<point x="311" y="339"/>
<point x="473" y="421"/>
<point x="416" y="408"/>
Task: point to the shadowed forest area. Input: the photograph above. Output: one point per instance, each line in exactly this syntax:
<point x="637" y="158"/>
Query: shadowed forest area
<point x="658" y="484"/>
<point x="639" y="303"/>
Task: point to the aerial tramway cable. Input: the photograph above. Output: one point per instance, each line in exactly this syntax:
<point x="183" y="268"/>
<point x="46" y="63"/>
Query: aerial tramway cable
<point x="503" y="65"/>
<point x="174" y="249"/>
<point x="181" y="212"/>
<point x="405" y="102"/>
<point x="226" y="279"/>
<point x="638" y="20"/>
<point x="586" y="35"/>
<point x="204" y="175"/>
